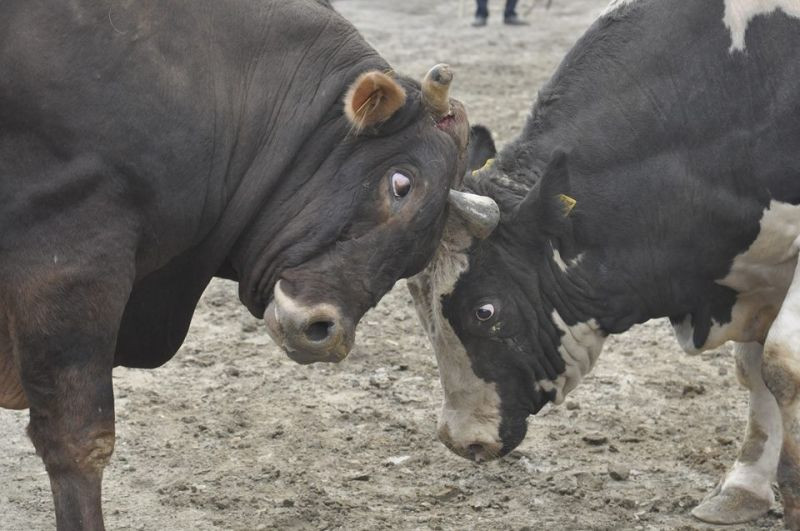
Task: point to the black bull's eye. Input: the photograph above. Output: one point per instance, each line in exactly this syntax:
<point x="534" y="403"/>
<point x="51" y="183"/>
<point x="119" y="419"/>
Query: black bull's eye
<point x="401" y="185"/>
<point x="484" y="312"/>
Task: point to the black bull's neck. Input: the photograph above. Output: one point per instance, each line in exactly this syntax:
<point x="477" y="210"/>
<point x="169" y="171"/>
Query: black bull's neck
<point x="667" y="190"/>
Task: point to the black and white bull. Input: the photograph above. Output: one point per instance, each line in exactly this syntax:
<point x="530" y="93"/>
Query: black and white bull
<point x="146" y="147"/>
<point x="657" y="176"/>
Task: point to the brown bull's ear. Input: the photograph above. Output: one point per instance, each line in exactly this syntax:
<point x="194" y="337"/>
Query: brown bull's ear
<point x="373" y="98"/>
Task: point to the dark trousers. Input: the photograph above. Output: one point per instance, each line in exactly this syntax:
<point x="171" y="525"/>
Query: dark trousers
<point x="483" y="8"/>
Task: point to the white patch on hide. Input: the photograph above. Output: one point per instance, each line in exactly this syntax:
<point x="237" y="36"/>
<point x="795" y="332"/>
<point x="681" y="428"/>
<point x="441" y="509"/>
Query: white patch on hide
<point x="684" y="333"/>
<point x="580" y="347"/>
<point x="761" y="275"/>
<point x="784" y="334"/>
<point x="563" y="265"/>
<point x="739" y="13"/>
<point x="471" y="408"/>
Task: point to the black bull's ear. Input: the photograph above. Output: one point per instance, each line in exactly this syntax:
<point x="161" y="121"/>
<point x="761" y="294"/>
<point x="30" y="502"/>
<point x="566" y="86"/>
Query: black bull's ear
<point x="481" y="147"/>
<point x="548" y="205"/>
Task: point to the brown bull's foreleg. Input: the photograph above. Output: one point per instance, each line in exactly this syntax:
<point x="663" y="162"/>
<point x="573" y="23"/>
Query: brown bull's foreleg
<point x="64" y="334"/>
<point x="72" y="429"/>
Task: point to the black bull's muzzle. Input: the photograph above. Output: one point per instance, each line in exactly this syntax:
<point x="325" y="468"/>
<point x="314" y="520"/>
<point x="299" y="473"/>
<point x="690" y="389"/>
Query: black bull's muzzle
<point x="309" y="333"/>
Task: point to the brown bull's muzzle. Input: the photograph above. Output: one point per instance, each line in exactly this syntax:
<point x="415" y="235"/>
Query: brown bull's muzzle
<point x="308" y="333"/>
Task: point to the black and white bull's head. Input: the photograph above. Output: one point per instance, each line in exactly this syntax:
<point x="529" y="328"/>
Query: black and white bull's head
<point x="370" y="211"/>
<point x="491" y="304"/>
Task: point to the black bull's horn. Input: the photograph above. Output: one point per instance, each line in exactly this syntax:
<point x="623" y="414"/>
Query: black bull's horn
<point x="479" y="213"/>
<point x="435" y="88"/>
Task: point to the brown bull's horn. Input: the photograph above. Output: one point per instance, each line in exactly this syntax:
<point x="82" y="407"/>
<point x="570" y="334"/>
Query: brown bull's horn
<point x="479" y="213"/>
<point x="435" y="87"/>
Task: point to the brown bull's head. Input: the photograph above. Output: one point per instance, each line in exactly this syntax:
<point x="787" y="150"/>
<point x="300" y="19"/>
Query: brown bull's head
<point x="375" y="214"/>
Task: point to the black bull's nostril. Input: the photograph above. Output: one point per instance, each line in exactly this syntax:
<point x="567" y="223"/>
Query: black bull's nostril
<point x="480" y="452"/>
<point x="475" y="450"/>
<point x="319" y="331"/>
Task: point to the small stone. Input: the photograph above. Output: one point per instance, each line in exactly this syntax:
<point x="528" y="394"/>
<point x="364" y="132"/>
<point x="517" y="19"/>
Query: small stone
<point x="479" y="505"/>
<point x="529" y="467"/>
<point x="618" y="472"/>
<point x="232" y="371"/>
<point x="380" y="379"/>
<point x="399" y="460"/>
<point x="595" y="439"/>
<point x="287" y="503"/>
<point x="571" y="406"/>
<point x="724" y="440"/>
<point x="448" y="494"/>
<point x="359" y="477"/>
<point x="627" y="503"/>
<point x="221" y="504"/>
<point x="722" y="371"/>
<point x="691" y="390"/>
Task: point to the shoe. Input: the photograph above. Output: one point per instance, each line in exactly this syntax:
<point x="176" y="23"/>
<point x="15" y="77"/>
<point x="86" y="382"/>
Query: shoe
<point x="514" y="20"/>
<point x="479" y="22"/>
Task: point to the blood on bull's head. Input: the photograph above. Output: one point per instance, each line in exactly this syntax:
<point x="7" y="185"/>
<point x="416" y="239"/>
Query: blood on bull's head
<point x="370" y="210"/>
<point x="492" y="303"/>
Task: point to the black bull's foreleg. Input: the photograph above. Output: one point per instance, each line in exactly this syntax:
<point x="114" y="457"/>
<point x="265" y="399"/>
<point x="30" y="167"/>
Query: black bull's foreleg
<point x="63" y="326"/>
<point x="781" y="372"/>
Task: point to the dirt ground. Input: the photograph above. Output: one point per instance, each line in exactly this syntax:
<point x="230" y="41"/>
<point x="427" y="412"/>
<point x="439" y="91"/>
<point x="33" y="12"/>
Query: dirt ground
<point x="233" y="435"/>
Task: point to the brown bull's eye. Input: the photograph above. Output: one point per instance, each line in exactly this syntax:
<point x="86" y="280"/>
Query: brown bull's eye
<point x="401" y="185"/>
<point x="485" y="312"/>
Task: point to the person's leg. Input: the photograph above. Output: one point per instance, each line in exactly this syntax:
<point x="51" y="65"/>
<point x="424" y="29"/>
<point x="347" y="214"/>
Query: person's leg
<point x="511" y="6"/>
<point x="510" y="15"/>
<point x="483" y="9"/>
<point x="481" y="14"/>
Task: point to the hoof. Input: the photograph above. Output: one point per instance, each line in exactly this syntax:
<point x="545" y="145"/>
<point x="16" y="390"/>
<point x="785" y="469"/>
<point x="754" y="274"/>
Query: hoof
<point x="733" y="505"/>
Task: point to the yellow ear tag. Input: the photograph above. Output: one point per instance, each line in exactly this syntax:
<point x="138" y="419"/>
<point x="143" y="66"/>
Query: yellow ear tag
<point x="568" y="203"/>
<point x="486" y="166"/>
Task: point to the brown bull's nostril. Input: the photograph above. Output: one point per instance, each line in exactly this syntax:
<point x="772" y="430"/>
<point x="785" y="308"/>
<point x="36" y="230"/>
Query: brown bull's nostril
<point x="319" y="331"/>
<point x="308" y="333"/>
